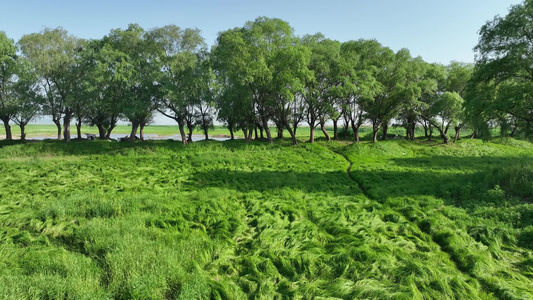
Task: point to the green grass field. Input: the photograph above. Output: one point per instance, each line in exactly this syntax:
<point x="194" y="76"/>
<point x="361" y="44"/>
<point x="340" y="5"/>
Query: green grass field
<point x="230" y="220"/>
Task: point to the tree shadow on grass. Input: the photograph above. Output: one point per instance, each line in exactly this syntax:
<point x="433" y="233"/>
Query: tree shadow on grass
<point x="460" y="181"/>
<point x="334" y="183"/>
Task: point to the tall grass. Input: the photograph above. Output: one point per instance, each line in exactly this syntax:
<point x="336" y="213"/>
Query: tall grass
<point x="231" y="220"/>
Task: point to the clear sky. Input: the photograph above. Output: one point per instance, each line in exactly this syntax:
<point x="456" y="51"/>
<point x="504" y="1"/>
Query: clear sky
<point x="438" y="30"/>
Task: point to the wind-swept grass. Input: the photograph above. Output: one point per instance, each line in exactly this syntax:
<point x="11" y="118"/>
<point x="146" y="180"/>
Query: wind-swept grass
<point x="212" y="220"/>
<point x="472" y="198"/>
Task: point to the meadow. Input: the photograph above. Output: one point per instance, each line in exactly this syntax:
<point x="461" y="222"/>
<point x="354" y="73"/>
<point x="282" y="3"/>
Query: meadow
<point x="236" y="220"/>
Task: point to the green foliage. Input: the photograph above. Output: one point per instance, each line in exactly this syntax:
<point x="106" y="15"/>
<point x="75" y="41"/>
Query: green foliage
<point x="501" y="86"/>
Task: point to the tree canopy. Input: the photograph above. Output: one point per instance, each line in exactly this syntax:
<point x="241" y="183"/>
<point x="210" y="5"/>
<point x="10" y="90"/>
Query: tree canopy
<point x="262" y="75"/>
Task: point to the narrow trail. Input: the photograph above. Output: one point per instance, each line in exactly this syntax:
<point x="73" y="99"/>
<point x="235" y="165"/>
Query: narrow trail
<point x="348" y="171"/>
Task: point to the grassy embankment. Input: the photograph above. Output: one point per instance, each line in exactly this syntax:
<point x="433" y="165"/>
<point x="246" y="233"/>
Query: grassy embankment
<point x="230" y="220"/>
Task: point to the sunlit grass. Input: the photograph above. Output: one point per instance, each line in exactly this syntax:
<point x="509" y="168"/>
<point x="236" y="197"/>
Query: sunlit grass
<point x="231" y="220"/>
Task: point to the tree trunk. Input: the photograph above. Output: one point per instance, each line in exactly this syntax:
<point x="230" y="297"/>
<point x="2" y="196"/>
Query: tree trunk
<point x="141" y="131"/>
<point x="457" y="128"/>
<point x="355" y="130"/>
<point x="9" y="135"/>
<point x="335" y="129"/>
<point x="230" y="128"/>
<point x="189" y="135"/>
<point x="134" y="126"/>
<point x="249" y="134"/>
<point x="425" y="130"/>
<point x="245" y="133"/>
<point x="22" y="126"/>
<point x="293" y="135"/>
<point x="385" y="128"/>
<point x="256" y="133"/>
<point x="205" y="133"/>
<point x="444" y="137"/>
<point x="78" y="129"/>
<point x="456" y="134"/>
<point x="312" y="131"/>
<point x="345" y="133"/>
<point x="66" y="125"/>
<point x="101" y="131"/>
<point x="323" y="128"/>
<point x="375" y="129"/>
<point x="442" y="133"/>
<point x="108" y="133"/>
<point x="181" y="126"/>
<point x="58" y="125"/>
<point x="267" y="130"/>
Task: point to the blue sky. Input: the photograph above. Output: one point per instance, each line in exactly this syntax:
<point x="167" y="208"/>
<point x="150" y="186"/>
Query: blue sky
<point x="438" y="30"/>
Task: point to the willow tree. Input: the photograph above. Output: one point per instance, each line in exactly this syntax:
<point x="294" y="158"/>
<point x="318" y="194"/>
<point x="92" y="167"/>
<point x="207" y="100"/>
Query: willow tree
<point x="28" y="99"/>
<point x="52" y="53"/>
<point x="391" y="72"/>
<point x="178" y="53"/>
<point x="504" y="58"/>
<point x="7" y="81"/>
<point x="318" y="96"/>
<point x="263" y="56"/>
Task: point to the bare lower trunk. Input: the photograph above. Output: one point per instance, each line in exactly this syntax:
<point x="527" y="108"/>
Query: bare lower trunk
<point x="245" y="133"/>
<point x="230" y="128"/>
<point x="345" y="133"/>
<point x="335" y="130"/>
<point x="323" y="128"/>
<point x="249" y="134"/>
<point x="22" y="131"/>
<point x="312" y="135"/>
<point x="355" y="130"/>
<point x="385" y="128"/>
<point x="267" y="130"/>
<point x="141" y="132"/>
<point x="312" y="131"/>
<point x="205" y="133"/>
<point x="9" y="135"/>
<point x="181" y="126"/>
<point x="189" y="135"/>
<point x="293" y="135"/>
<point x="375" y="129"/>
<point x="444" y="137"/>
<point x="133" y="134"/>
<point x="456" y="128"/>
<point x="66" y="126"/>
<point x="78" y="129"/>
<point x="101" y="131"/>
<point x="58" y="125"/>
<point x="108" y="133"/>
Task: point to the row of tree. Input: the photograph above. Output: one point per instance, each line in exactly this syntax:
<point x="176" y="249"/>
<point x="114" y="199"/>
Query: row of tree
<point x="262" y="74"/>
